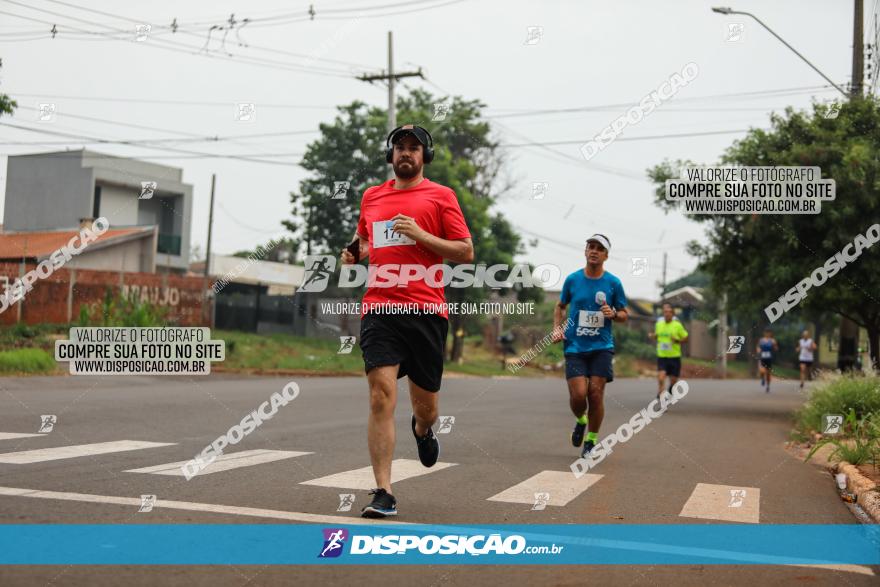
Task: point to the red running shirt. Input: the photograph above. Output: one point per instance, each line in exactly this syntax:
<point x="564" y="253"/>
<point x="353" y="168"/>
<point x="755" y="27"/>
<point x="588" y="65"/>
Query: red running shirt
<point x="435" y="209"/>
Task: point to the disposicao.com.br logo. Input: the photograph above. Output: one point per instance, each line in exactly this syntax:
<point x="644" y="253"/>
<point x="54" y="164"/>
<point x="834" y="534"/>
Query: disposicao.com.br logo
<point x="431" y="544"/>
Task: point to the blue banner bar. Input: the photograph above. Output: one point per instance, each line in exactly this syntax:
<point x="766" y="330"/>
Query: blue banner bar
<point x="257" y="544"/>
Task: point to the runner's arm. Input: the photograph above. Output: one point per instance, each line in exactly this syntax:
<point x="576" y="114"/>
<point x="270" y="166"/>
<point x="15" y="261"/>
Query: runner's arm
<point x="364" y="243"/>
<point x="558" y="314"/>
<point x="458" y="250"/>
<point x="621" y="316"/>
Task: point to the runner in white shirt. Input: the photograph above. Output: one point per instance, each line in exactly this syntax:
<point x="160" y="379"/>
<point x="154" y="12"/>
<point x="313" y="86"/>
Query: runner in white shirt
<point x="805" y="349"/>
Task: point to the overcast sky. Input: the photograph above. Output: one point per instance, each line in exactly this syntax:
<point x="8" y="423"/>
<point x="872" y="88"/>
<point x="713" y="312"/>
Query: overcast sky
<point x="590" y="54"/>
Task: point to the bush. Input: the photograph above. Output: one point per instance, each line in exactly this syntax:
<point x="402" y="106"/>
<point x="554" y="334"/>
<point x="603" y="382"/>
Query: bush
<point x="633" y="343"/>
<point x="838" y="394"/>
<point x="861" y="448"/>
<point x="118" y="310"/>
<point x="26" y="361"/>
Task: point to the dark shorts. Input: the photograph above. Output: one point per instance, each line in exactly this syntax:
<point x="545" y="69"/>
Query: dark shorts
<point x="807" y="363"/>
<point x="591" y="364"/>
<point x="767" y="363"/>
<point x="413" y="341"/>
<point x="671" y="365"/>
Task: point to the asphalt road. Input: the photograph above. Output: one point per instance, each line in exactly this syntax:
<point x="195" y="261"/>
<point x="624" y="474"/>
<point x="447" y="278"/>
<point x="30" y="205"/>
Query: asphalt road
<point x="716" y="456"/>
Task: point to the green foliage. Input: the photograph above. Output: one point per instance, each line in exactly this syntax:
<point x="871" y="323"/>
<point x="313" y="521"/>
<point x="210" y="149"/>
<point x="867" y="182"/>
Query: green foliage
<point x="278" y="251"/>
<point x="634" y="343"/>
<point x="861" y="447"/>
<point x="737" y="248"/>
<point x="840" y="394"/>
<point x="7" y="104"/>
<point x="118" y="310"/>
<point x="26" y="361"/>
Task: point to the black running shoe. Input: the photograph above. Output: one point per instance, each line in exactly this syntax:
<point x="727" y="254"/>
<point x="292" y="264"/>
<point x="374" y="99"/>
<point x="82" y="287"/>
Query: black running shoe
<point x="429" y="447"/>
<point x="588" y="447"/>
<point x="382" y="506"/>
<point x="577" y="435"/>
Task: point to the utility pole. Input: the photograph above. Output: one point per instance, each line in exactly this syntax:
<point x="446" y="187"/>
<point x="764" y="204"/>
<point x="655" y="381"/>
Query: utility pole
<point x="390" y="77"/>
<point x="848" y="346"/>
<point x="858" y="54"/>
<point x="210" y="223"/>
<point x="207" y="314"/>
<point x="663" y="282"/>
<point x="722" y="334"/>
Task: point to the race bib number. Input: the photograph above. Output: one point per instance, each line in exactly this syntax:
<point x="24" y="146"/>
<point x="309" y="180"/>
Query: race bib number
<point x="765" y="354"/>
<point x="590" y="319"/>
<point x="665" y="346"/>
<point x="385" y="236"/>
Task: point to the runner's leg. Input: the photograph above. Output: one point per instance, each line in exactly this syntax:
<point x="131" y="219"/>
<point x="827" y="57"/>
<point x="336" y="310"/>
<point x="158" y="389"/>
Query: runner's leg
<point x="380" y="429"/>
<point x="596" y="403"/>
<point x="425" y="407"/>
<point x="577" y="395"/>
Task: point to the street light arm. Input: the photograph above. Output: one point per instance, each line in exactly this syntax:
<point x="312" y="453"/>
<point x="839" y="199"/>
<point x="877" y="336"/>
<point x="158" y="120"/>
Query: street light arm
<point x="795" y="51"/>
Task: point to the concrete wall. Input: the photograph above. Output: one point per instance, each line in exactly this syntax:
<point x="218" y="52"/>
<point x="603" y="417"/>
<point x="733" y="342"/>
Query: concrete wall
<point x="119" y="205"/>
<point x="47" y="191"/>
<point x="59" y="298"/>
<point x="701" y="342"/>
<point x="135" y="256"/>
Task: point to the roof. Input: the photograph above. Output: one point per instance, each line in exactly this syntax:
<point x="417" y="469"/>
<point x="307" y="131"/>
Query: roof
<point x="681" y="294"/>
<point x="39" y="244"/>
<point x="252" y="272"/>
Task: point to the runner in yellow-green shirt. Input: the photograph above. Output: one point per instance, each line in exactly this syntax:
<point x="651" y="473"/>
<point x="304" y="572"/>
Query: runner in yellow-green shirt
<point x="669" y="334"/>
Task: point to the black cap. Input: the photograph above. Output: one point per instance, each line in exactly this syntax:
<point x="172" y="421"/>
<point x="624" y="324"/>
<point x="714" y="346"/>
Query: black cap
<point x="410" y="129"/>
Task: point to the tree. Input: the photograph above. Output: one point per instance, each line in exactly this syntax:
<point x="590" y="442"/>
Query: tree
<point x="278" y="251"/>
<point x="757" y="258"/>
<point x="7" y="104"/>
<point x="351" y="149"/>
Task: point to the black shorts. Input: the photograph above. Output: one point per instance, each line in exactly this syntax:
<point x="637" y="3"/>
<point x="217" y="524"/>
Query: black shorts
<point x="767" y="363"/>
<point x="591" y="364"/>
<point x="671" y="365"/>
<point x="807" y="363"/>
<point x="413" y="341"/>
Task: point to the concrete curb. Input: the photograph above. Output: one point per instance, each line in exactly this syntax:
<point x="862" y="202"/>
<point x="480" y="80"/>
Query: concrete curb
<point x="856" y="483"/>
<point x="862" y="487"/>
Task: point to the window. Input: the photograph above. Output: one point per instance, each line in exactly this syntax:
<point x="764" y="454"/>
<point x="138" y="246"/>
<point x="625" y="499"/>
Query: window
<point x="96" y="203"/>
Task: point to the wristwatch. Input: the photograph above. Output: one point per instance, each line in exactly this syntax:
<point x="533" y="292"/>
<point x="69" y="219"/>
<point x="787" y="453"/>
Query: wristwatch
<point x="615" y="313"/>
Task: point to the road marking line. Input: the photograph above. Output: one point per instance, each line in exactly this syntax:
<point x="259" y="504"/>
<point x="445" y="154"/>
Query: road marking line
<point x="226" y="462"/>
<point x="859" y="569"/>
<point x="196" y="507"/>
<point x="78" y="450"/>
<point x="561" y="485"/>
<point x="723" y="502"/>
<point x="363" y="478"/>
<point x="12" y="435"/>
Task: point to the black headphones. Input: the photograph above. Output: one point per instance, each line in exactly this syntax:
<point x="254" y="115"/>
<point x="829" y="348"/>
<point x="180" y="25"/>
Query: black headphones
<point x="428" y="150"/>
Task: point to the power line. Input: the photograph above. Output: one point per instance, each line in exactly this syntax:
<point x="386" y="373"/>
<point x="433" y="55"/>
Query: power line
<point x="182" y="47"/>
<point x="639" y="138"/>
<point x="174" y="102"/>
<point x="568" y="110"/>
<point x="161" y="148"/>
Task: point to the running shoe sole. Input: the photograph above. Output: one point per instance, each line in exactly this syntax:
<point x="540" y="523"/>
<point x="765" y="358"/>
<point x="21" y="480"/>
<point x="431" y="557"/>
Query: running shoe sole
<point x="371" y="512"/>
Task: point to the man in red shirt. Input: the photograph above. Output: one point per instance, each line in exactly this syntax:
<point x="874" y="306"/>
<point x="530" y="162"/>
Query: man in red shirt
<point x="406" y="224"/>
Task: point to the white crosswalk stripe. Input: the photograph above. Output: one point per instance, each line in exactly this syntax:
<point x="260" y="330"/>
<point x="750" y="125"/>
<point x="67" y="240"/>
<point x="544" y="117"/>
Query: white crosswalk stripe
<point x="78" y="450"/>
<point x="727" y="503"/>
<point x="401" y="469"/>
<point x="13" y="435"/>
<point x="226" y="462"/>
<point x="562" y="487"/>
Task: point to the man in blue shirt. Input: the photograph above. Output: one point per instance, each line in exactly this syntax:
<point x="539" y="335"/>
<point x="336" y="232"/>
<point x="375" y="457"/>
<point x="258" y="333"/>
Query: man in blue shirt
<point x="597" y="299"/>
